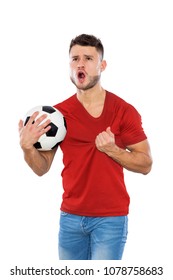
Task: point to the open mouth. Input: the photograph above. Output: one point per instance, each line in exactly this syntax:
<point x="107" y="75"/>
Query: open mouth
<point x="81" y="76"/>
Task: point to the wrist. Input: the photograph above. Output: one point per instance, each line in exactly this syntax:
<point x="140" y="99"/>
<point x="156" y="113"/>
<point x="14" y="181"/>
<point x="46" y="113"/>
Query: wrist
<point x="28" y="149"/>
<point x="114" y="151"/>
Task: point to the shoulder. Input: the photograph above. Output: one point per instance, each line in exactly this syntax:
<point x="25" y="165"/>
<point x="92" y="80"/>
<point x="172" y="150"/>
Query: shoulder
<point x="66" y="105"/>
<point x="67" y="101"/>
<point x="119" y="104"/>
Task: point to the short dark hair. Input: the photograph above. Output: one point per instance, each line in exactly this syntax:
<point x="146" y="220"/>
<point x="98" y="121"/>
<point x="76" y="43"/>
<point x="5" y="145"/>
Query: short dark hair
<point x="88" y="40"/>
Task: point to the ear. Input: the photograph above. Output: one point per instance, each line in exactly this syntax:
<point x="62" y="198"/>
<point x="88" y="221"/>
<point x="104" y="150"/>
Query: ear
<point x="103" y="65"/>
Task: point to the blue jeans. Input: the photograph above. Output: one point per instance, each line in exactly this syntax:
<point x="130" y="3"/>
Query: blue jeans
<point x="92" y="238"/>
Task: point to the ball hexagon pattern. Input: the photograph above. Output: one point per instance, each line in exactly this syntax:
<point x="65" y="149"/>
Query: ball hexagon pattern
<point x="56" y="134"/>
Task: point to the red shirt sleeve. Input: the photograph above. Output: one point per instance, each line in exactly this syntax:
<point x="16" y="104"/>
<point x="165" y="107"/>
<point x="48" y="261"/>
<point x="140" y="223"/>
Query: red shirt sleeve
<point x="131" y="129"/>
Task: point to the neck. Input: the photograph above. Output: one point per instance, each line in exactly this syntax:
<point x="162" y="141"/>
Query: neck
<point x="89" y="96"/>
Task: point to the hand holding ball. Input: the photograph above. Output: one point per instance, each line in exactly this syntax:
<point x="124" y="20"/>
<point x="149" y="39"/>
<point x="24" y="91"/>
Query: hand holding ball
<point x="57" y="132"/>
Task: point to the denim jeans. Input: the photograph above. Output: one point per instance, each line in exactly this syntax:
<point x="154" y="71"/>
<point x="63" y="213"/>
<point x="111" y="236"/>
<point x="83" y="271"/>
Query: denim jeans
<point x="92" y="238"/>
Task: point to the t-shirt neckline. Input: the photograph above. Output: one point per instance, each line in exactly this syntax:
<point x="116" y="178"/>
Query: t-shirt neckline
<point x="87" y="113"/>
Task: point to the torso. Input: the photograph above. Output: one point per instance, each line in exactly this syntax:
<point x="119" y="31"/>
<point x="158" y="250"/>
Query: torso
<point x="94" y="183"/>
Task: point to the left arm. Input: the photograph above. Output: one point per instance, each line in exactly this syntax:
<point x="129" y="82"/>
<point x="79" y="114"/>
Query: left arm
<point x="136" y="158"/>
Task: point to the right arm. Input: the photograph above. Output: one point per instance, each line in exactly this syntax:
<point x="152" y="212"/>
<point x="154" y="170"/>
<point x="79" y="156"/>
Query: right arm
<point x="39" y="161"/>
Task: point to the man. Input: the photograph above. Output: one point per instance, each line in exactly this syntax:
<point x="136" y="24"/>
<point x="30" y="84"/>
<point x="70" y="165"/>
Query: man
<point x="104" y="135"/>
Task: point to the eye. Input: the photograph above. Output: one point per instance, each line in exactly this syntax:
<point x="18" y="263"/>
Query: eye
<point x="89" y="58"/>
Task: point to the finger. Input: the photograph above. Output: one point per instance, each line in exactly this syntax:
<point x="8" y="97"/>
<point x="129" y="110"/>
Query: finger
<point x="101" y="139"/>
<point x="97" y="141"/>
<point x="40" y="131"/>
<point x="47" y="128"/>
<point x="41" y="118"/>
<point x="20" y="125"/>
<point x="31" y="119"/>
<point x="44" y="126"/>
<point x="104" y="137"/>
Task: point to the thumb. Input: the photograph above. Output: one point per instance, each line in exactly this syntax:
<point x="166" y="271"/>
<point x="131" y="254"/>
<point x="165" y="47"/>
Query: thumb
<point x="108" y="130"/>
<point x="20" y="125"/>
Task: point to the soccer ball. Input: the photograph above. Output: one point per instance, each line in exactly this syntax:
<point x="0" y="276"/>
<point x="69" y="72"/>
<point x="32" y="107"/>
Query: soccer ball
<point x="56" y="134"/>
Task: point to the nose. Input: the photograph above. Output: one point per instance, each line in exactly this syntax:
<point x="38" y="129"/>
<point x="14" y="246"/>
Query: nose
<point x="80" y="63"/>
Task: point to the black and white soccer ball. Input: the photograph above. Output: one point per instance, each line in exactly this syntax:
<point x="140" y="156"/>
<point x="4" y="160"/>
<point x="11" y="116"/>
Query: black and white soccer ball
<point x="56" y="134"/>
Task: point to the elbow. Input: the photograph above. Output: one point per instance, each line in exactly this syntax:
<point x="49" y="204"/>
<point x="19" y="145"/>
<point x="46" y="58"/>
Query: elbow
<point x="146" y="171"/>
<point x="40" y="172"/>
<point x="148" y="168"/>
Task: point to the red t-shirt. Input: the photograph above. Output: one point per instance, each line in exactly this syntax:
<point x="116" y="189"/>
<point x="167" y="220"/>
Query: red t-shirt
<point x="93" y="182"/>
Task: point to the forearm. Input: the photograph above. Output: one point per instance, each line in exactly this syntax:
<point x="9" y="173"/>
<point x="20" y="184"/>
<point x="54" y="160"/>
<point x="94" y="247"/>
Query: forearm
<point x="138" y="162"/>
<point x="36" y="161"/>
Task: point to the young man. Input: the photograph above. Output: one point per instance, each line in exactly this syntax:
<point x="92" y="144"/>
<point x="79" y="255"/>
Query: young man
<point x="104" y="135"/>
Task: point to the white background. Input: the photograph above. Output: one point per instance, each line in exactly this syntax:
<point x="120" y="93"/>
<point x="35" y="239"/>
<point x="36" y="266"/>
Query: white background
<point x="34" y="41"/>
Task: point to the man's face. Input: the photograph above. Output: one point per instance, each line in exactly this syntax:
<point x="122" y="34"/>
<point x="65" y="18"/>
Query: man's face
<point x="86" y="66"/>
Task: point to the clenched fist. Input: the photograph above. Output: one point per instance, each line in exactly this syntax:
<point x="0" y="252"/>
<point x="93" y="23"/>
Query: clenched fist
<point x="105" y="141"/>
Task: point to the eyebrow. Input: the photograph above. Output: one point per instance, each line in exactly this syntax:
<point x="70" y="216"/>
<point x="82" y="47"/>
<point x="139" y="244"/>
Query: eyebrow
<point x="85" y="55"/>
